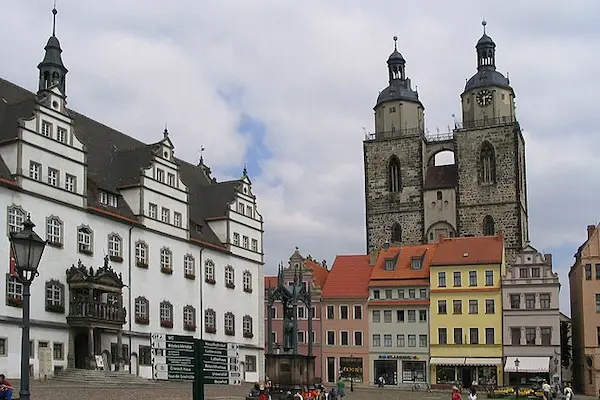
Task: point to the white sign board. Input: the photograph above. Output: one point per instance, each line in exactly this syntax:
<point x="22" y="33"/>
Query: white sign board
<point x="45" y="360"/>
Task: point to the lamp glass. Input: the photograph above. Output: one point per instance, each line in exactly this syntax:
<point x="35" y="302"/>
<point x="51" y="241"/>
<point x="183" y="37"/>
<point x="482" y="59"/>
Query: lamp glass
<point x="27" y="248"/>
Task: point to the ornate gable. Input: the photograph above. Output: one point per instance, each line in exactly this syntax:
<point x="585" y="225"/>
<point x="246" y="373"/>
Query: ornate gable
<point x="104" y="276"/>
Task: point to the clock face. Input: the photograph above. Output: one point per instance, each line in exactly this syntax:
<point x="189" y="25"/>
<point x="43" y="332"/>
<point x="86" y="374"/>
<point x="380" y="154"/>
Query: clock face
<point x="484" y="98"/>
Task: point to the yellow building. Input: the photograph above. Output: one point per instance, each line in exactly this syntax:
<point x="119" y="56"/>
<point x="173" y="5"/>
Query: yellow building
<point x="466" y="311"/>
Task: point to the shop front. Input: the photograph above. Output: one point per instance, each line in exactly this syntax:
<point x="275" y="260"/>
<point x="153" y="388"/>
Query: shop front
<point x="399" y="369"/>
<point x="527" y="371"/>
<point x="351" y="368"/>
<point x="450" y="371"/>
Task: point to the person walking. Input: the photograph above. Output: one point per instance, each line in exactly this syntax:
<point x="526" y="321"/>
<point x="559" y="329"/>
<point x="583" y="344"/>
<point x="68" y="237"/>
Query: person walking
<point x="546" y="389"/>
<point x="340" y="388"/>
<point x="473" y="393"/>
<point x="455" y="394"/>
<point x="568" y="392"/>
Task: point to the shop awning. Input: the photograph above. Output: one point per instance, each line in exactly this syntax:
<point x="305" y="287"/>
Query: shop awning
<point x="483" y="361"/>
<point x="447" y="360"/>
<point x="528" y="364"/>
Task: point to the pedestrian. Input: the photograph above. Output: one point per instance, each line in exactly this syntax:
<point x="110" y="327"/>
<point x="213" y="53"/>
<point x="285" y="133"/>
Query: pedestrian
<point x="568" y="392"/>
<point x="455" y="394"/>
<point x="6" y="389"/>
<point x="340" y="388"/>
<point x="546" y="389"/>
<point x="473" y="393"/>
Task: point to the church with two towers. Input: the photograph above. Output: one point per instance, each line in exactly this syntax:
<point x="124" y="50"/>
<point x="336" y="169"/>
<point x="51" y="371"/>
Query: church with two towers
<point x="410" y="200"/>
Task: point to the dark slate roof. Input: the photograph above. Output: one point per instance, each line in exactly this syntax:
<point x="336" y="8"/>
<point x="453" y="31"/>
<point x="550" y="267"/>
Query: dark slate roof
<point x="115" y="160"/>
<point x="487" y="78"/>
<point x="398" y="90"/>
<point x="441" y="177"/>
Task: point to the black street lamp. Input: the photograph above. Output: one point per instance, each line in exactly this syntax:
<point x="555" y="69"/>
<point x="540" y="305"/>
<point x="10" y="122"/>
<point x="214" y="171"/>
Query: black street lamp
<point x="517" y="362"/>
<point x="27" y="249"/>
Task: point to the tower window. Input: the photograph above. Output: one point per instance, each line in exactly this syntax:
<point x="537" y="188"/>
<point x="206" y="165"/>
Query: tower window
<point x="488" y="226"/>
<point x="396" y="233"/>
<point x="394" y="178"/>
<point x="439" y="195"/>
<point x="488" y="164"/>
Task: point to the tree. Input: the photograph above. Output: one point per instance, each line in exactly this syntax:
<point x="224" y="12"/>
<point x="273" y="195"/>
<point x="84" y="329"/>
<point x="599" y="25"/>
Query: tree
<point x="566" y="350"/>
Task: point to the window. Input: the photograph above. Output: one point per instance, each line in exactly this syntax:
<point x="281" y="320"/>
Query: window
<point x="411" y="293"/>
<point x="441" y="279"/>
<point x="487" y="166"/>
<point x="388" y="294"/>
<point x="53" y="175"/>
<point x="241" y="208"/>
<point x="249" y="212"/>
<point x="331" y="338"/>
<point x="535" y="272"/>
<point x="357" y="312"/>
<point x="422" y="315"/>
<point x="35" y="171"/>
<point x="55" y="298"/>
<point x="247" y="327"/>
<point x="376" y="316"/>
<point x="160" y="175"/>
<point x="115" y="247"/>
<point x="412" y="316"/>
<point x="229" y="324"/>
<point x="376" y="340"/>
<point x="597" y="271"/>
<point x="597" y="338"/>
<point x="301" y="337"/>
<point x="16" y="217"/>
<point x="14" y="291"/>
<point x="229" y="277"/>
<point x="394" y="175"/>
<point x="84" y="240"/>
<point x="489" y="336"/>
<point x="488" y="226"/>
<point x="254" y="245"/>
<point x="344" y="338"/>
<point x="523" y="272"/>
<point x="210" y="321"/>
<point x="58" y="351"/>
<point x="399" y="315"/>
<point x="472" y="278"/>
<point x="530" y="301"/>
<point x="546" y="334"/>
<point x="152" y="211"/>
<point x="170" y="179"/>
<point x="166" y="314"/>
<point x="400" y="293"/>
<point x="145" y="355"/>
<point x="330" y="312"/>
<point x="358" y="338"/>
<point x="245" y="242"/>
<point x="141" y="254"/>
<point x="54" y="231"/>
<point x="273" y="314"/>
<point x="165" y="215"/>
<point x="387" y="340"/>
<point x="489" y="306"/>
<point x="416" y="263"/>
<point x="61" y="134"/>
<point x="457" y="306"/>
<point x="387" y="316"/>
<point x="46" y="129"/>
<point x="250" y="363"/>
<point x="177" y="219"/>
<point x="389" y="265"/>
<point x="412" y="340"/>
<point x="142" y="311"/>
<point x="422" y="340"/>
<point x="474" y="335"/>
<point x="442" y="307"/>
<point x="166" y="260"/>
<point x="530" y="336"/>
<point x="189" y="266"/>
<point x="442" y="336"/>
<point x="400" y="341"/>
<point x="489" y="278"/>
<point x="458" y="336"/>
<point x="70" y="183"/>
<point x="515" y="336"/>
<point x="515" y="301"/>
<point x="247" y="282"/>
<point x="376" y="294"/>
<point x="598" y="303"/>
<point x="209" y="271"/>
<point x="457" y="279"/>
<point x="545" y="300"/>
<point x="422" y="293"/>
<point x="588" y="272"/>
<point x="236" y="239"/>
<point x="473" y="307"/>
<point x="189" y="318"/>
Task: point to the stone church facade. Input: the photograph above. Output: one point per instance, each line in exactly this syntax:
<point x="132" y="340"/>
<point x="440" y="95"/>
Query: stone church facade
<point x="410" y="200"/>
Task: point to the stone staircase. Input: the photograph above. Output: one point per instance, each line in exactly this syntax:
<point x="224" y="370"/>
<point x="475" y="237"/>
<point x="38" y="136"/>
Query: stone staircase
<point x="100" y="378"/>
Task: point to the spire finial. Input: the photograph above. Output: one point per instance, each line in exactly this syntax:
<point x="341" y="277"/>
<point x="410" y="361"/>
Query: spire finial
<point x="396" y="43"/>
<point x="54" y="12"/>
<point x="245" y="171"/>
<point x="202" y="154"/>
<point x="483" y="23"/>
<point x="166" y="131"/>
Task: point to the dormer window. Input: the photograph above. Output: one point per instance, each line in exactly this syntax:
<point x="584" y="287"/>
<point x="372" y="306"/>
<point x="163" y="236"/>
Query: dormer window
<point x="46" y="129"/>
<point x="389" y="265"/>
<point x="241" y="208"/>
<point x="61" y="135"/>
<point x="107" y="199"/>
<point x="160" y="175"/>
<point x="171" y="179"/>
<point x="416" y="263"/>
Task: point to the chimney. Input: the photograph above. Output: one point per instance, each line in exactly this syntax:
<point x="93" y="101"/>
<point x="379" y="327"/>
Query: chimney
<point x="373" y="257"/>
<point x="548" y="258"/>
<point x="590" y="230"/>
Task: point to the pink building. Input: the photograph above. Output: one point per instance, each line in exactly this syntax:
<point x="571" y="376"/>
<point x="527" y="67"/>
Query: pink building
<point x="345" y="322"/>
<point x="313" y="274"/>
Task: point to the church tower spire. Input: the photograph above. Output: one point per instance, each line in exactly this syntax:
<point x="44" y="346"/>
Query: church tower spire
<point x="486" y="51"/>
<point x="52" y="70"/>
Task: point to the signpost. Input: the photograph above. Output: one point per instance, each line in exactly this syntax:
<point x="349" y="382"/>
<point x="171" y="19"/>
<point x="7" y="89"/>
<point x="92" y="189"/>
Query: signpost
<point x="221" y="363"/>
<point x="172" y="357"/>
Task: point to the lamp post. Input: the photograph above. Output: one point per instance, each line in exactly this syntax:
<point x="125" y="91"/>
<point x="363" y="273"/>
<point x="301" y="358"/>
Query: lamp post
<point x="27" y="248"/>
<point x="517" y="362"/>
<point x="352" y="373"/>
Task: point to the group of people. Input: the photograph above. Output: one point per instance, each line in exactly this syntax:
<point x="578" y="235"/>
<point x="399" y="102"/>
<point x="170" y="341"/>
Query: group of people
<point x="262" y="391"/>
<point x="549" y="393"/>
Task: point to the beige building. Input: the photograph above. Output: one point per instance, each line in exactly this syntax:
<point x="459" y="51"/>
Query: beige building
<point x="584" y="281"/>
<point x="531" y="318"/>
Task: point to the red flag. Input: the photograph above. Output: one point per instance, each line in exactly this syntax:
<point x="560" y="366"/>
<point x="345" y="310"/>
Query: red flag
<point x="12" y="264"/>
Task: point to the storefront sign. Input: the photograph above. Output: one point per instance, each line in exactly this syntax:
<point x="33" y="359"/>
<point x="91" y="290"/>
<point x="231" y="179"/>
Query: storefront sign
<point x="399" y="357"/>
<point x="351" y="368"/>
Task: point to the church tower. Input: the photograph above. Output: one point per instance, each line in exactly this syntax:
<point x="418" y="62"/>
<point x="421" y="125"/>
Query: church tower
<point x="393" y="158"/>
<point x="490" y="156"/>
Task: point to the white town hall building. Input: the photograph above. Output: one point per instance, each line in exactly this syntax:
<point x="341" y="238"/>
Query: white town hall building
<point x="138" y="240"/>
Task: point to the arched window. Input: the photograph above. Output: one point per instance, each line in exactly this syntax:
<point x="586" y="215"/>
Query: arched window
<point x="247" y="278"/>
<point x="210" y="321"/>
<point x="55" y="296"/>
<point x="487" y="164"/>
<point x="247" y="326"/>
<point x="189" y="318"/>
<point x="394" y="177"/>
<point x="142" y="311"/>
<point x="141" y="254"/>
<point x="229" y="277"/>
<point x="488" y="226"/>
<point x="396" y="233"/>
<point x="229" y="324"/>
<point x="166" y="314"/>
<point x="166" y="261"/>
<point x="189" y="266"/>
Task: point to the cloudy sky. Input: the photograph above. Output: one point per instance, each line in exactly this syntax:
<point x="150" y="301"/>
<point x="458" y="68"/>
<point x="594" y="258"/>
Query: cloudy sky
<point x="287" y="87"/>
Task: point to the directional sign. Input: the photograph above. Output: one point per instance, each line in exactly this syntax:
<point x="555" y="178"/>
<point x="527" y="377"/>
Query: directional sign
<point x="172" y="357"/>
<point x="220" y="363"/>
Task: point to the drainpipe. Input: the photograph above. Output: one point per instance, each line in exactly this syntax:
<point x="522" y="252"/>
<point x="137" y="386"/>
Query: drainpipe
<point x="201" y="315"/>
<point x="129" y="298"/>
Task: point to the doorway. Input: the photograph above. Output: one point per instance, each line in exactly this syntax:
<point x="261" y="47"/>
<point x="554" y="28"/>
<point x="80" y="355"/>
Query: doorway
<point x="81" y="350"/>
<point x="466" y="375"/>
<point x="331" y="369"/>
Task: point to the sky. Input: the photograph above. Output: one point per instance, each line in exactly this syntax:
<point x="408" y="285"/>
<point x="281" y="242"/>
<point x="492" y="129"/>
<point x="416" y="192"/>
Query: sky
<point x="288" y="89"/>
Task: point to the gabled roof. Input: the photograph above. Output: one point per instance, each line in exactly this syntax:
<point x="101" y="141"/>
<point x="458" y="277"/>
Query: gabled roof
<point x="403" y="273"/>
<point x="469" y="251"/>
<point x="115" y="160"/>
<point x="348" y="278"/>
<point x="319" y="272"/>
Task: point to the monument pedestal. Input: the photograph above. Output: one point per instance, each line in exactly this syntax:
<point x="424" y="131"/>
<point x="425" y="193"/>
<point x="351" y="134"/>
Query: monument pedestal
<point x="291" y="371"/>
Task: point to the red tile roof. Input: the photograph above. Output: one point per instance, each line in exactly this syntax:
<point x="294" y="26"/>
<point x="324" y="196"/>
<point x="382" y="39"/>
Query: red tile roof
<point x="403" y="274"/>
<point x="270" y="281"/>
<point x="319" y="272"/>
<point x="469" y="251"/>
<point x="348" y="278"/>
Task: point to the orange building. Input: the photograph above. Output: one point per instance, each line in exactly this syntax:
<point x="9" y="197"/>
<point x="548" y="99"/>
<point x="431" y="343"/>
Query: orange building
<point x="345" y="325"/>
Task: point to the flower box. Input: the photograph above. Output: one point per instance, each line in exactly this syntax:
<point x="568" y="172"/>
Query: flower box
<point x="58" y="245"/>
<point x="55" y="308"/>
<point x="118" y="259"/>
<point x="230" y="332"/>
<point x="248" y="335"/>
<point x="210" y="329"/>
<point x="165" y="323"/>
<point x="230" y="285"/>
<point x="14" y="301"/>
<point x="166" y="270"/>
<point x="190" y="276"/>
<point x="141" y="265"/>
<point x="189" y="327"/>
<point x="142" y="321"/>
<point x="248" y="290"/>
<point x="85" y="251"/>
<point x="210" y="281"/>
